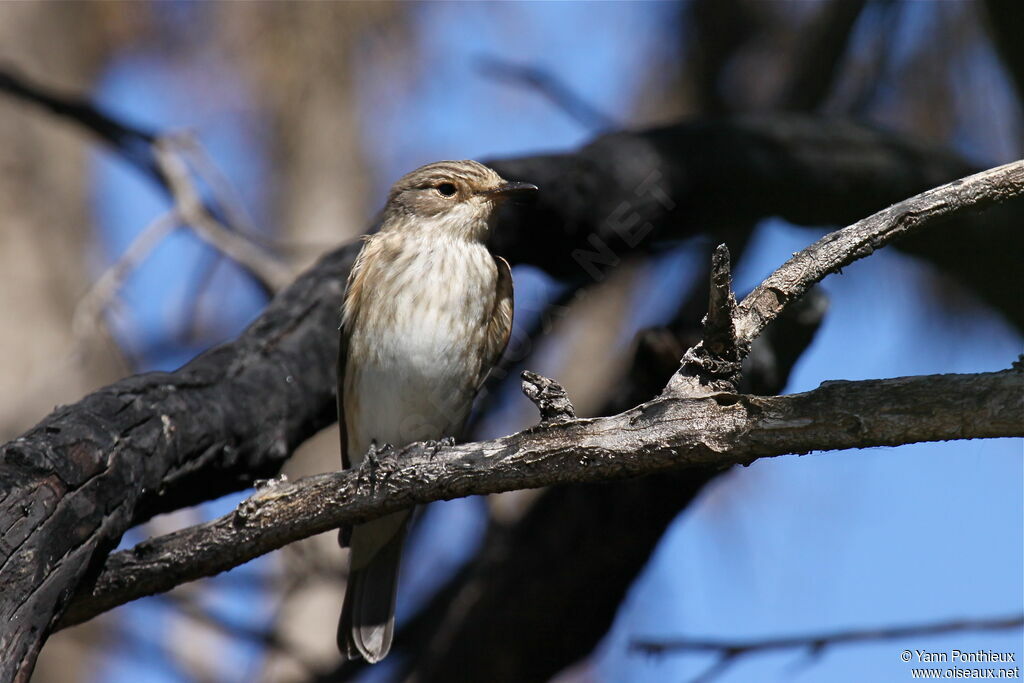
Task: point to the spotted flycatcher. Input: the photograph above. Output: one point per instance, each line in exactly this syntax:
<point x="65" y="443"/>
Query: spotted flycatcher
<point x="427" y="313"/>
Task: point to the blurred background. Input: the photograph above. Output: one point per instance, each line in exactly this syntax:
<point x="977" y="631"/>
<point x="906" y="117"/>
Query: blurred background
<point x="294" y="119"/>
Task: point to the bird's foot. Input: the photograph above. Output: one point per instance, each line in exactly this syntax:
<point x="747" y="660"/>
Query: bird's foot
<point x="434" y="446"/>
<point x="371" y="462"/>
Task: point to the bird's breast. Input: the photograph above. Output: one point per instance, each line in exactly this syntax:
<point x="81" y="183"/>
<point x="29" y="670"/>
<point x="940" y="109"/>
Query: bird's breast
<point x="415" y="349"/>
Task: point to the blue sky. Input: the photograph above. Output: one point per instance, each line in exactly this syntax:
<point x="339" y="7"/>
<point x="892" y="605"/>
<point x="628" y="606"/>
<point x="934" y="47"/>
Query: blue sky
<point x="789" y="545"/>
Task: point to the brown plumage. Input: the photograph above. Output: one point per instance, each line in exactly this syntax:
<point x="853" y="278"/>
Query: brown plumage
<point x="428" y="312"/>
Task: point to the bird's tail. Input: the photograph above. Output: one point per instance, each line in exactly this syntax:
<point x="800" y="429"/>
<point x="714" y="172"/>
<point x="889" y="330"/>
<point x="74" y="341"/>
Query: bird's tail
<point x="367" y="623"/>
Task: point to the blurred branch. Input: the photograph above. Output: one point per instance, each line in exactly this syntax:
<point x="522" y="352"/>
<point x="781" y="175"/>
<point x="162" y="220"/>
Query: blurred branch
<point x="228" y="199"/>
<point x="629" y="192"/>
<point x="820" y="48"/>
<point x="551" y="87"/>
<point x="267" y="270"/>
<point x="730" y="651"/>
<point x="132" y="143"/>
<point x="716" y="32"/>
<point x="1006" y="17"/>
<point x="667" y="433"/>
<point x="160" y="157"/>
<point x="190" y="607"/>
<point x="88" y="316"/>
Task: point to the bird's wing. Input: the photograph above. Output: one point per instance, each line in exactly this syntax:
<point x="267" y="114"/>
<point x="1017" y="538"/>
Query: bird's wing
<point x="342" y="428"/>
<point x="353" y="290"/>
<point x="499" y="326"/>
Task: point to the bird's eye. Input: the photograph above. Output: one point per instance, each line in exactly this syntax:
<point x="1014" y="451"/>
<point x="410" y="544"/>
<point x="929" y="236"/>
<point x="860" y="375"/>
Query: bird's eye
<point x="447" y="189"/>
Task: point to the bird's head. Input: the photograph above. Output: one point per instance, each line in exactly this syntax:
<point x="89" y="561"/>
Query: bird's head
<point x="457" y="198"/>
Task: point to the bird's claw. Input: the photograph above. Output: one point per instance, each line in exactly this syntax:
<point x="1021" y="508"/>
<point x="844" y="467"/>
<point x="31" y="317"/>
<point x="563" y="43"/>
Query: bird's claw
<point x="371" y="462"/>
<point x="434" y="446"/>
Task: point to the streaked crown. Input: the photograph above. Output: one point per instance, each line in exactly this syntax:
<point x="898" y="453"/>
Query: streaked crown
<point x="458" y="197"/>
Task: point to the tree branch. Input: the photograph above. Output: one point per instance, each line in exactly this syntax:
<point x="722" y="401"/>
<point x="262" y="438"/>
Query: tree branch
<point x="573" y="538"/>
<point x="550" y="86"/>
<point x="718" y="357"/>
<point x="670" y="432"/>
<point x="842" y="247"/>
<point x="729" y="651"/>
<point x="271" y="274"/>
<point x="72" y="485"/>
<point x="819" y="52"/>
<point x="156" y="442"/>
<point x="818" y="641"/>
<point x="730" y="329"/>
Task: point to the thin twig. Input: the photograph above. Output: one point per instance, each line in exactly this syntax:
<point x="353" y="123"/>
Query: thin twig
<point x="550" y="398"/>
<point x="818" y="641"/>
<point x="267" y="270"/>
<point x="549" y="86"/>
<point x="842" y="247"/>
<point x="132" y="143"/>
<point x="717" y="357"/>
<point x="90" y="308"/>
<point x="729" y="651"/>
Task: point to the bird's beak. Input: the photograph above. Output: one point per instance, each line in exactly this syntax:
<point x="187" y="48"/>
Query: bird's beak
<point x="512" y="190"/>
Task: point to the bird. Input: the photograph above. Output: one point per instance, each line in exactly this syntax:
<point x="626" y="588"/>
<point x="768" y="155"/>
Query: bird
<point x="427" y="313"/>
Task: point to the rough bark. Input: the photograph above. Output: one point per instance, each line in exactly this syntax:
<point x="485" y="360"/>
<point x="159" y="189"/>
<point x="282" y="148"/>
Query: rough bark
<point x="667" y="433"/>
<point x="156" y="442"/>
<point x="577" y="537"/>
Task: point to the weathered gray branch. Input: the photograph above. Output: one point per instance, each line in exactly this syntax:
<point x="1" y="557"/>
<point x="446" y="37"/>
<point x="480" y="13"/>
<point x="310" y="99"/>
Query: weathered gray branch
<point x="843" y="247"/>
<point x="667" y="433"/>
<point x="507" y="464"/>
<point x="72" y="485"/>
<point x="730" y="329"/>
